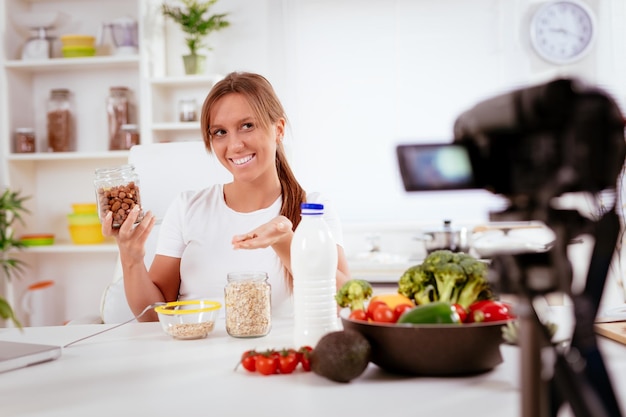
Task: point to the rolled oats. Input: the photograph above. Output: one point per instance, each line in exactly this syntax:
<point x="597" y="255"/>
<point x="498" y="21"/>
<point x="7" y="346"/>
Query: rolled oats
<point x="247" y="297"/>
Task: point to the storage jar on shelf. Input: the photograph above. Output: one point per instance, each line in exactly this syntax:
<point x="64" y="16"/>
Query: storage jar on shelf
<point x="118" y="108"/>
<point x="24" y="140"/>
<point x="60" y="121"/>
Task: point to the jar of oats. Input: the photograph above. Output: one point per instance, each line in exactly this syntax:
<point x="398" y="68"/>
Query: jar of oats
<point x="117" y="190"/>
<point x="247" y="298"/>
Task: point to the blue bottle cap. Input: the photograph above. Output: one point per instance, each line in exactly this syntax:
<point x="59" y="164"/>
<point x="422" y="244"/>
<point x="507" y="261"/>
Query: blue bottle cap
<point x="311" y="209"/>
<point x="312" y="206"/>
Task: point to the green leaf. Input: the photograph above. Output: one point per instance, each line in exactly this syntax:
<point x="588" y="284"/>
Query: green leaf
<point x="195" y="21"/>
<point x="11" y="210"/>
<point x="6" y="312"/>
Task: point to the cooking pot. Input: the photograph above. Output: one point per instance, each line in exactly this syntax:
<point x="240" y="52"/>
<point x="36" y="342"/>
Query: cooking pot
<point x="456" y="240"/>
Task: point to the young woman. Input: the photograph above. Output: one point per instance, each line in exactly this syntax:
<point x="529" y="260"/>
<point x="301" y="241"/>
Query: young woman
<point x="246" y="224"/>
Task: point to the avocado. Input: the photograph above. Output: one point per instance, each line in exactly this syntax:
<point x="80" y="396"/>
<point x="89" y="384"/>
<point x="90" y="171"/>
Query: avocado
<point x="341" y="355"/>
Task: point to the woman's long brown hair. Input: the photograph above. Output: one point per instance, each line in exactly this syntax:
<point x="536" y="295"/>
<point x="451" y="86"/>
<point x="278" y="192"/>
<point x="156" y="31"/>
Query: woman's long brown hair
<point x="268" y="110"/>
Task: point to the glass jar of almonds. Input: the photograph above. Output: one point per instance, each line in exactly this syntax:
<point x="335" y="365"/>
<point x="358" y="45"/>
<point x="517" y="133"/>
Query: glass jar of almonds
<point x="117" y="190"/>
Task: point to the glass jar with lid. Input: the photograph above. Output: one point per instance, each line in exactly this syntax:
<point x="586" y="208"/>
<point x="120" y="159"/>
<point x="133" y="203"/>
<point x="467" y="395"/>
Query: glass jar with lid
<point x="117" y="191"/>
<point x="247" y="299"/>
<point x="129" y="135"/>
<point x="60" y="121"/>
<point x="24" y="140"/>
<point x="117" y="105"/>
<point x="188" y="110"/>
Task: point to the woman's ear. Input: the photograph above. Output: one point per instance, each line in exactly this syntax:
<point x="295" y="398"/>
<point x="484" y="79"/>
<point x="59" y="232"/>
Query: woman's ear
<point x="280" y="130"/>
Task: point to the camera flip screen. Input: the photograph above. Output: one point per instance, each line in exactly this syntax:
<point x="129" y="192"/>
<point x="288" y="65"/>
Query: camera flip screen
<point x="431" y="167"/>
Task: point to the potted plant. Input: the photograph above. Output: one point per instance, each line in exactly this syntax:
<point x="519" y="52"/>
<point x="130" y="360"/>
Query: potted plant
<point x="197" y="23"/>
<point x="11" y="210"/>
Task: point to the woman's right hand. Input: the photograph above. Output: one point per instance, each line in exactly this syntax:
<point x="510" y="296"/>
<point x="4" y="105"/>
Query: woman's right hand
<point x="131" y="238"/>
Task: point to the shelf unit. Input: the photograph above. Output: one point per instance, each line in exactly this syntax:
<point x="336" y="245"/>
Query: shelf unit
<point x="164" y="95"/>
<point x="53" y="181"/>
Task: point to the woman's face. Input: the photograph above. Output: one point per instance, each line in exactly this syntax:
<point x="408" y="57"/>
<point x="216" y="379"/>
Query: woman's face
<point x="239" y="141"/>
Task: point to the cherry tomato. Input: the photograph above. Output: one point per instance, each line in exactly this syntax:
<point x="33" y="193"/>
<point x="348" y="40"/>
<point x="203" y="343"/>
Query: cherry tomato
<point x="400" y="309"/>
<point x="358" y="315"/>
<point x="305" y="358"/>
<point x="372" y="306"/>
<point x="288" y="360"/>
<point x="488" y="310"/>
<point x="267" y="364"/>
<point x="248" y="360"/>
<point x="462" y="312"/>
<point x="383" y="314"/>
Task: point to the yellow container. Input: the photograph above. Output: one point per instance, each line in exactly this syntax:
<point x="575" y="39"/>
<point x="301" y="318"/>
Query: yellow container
<point x="83" y="219"/>
<point x="86" y="234"/>
<point x="77" y="51"/>
<point x="86" y="41"/>
<point x="85" y="208"/>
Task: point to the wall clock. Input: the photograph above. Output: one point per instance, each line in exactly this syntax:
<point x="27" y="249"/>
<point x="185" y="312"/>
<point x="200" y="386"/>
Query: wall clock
<point x="562" y="31"/>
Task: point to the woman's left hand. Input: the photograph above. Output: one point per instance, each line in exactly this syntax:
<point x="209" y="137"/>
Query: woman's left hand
<point x="265" y="235"/>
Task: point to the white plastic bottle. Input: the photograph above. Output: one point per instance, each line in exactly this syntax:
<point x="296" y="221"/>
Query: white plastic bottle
<point x="314" y="266"/>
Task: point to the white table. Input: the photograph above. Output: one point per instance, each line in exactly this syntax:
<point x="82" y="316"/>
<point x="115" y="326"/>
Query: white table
<point x="139" y="370"/>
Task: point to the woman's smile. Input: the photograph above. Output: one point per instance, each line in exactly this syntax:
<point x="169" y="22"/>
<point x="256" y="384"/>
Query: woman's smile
<point x="243" y="160"/>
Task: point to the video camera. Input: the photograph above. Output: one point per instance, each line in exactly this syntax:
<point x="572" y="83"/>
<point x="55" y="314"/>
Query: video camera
<point x="538" y="141"/>
<point x="531" y="145"/>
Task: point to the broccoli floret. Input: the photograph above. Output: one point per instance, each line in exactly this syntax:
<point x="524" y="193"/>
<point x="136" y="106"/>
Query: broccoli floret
<point x="354" y="294"/>
<point x="418" y="284"/>
<point x="449" y="278"/>
<point x="476" y="288"/>
<point x="473" y="267"/>
<point x="454" y="277"/>
<point x="437" y="258"/>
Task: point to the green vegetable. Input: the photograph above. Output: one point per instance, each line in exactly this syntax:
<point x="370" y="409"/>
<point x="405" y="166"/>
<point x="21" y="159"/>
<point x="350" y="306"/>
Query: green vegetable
<point x="418" y="284"/>
<point x="354" y="294"/>
<point x="437" y="312"/>
<point x="455" y="278"/>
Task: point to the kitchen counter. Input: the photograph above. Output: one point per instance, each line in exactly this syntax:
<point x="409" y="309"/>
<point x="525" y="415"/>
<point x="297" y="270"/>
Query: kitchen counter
<point x="137" y="369"/>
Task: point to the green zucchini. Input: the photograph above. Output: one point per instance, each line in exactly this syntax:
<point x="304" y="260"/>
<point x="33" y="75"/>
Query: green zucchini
<point x="437" y="312"/>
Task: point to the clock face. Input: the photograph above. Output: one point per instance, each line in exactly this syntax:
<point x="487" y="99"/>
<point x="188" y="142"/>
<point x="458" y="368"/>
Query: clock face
<point x="562" y="32"/>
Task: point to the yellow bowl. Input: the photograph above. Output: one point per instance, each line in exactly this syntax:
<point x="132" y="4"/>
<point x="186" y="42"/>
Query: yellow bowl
<point x="190" y="319"/>
<point x="84" y="208"/>
<point x="77" y="51"/>
<point x="86" y="41"/>
<point x="86" y="234"/>
<point x="80" y="219"/>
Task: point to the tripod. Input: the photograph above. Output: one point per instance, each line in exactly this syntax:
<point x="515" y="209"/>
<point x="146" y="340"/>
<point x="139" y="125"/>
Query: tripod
<point x="579" y="376"/>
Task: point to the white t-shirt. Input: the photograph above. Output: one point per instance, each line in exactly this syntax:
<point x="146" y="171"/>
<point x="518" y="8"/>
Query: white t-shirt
<point x="198" y="228"/>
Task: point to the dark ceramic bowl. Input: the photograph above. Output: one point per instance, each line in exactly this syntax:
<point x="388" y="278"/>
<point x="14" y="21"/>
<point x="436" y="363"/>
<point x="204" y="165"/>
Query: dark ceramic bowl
<point x="432" y="349"/>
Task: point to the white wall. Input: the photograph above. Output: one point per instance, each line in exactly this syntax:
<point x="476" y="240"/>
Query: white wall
<point x="359" y="77"/>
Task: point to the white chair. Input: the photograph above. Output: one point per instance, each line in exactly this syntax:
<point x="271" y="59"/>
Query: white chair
<point x="165" y="170"/>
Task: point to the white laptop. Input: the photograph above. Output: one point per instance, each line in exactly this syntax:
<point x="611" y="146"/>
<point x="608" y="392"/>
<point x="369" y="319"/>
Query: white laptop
<point x="15" y="355"/>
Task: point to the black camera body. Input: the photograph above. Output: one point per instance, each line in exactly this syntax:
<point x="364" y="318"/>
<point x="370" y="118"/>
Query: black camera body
<point x="553" y="138"/>
<point x="541" y="141"/>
